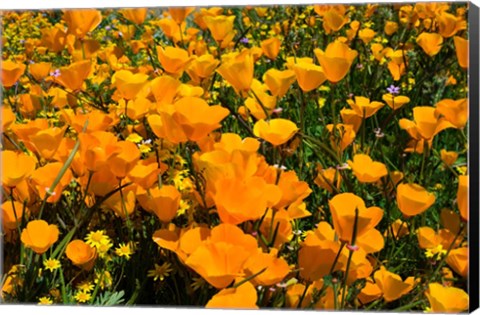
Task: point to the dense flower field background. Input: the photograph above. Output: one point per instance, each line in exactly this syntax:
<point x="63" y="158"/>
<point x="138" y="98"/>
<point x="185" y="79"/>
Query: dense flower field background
<point x="305" y="157"/>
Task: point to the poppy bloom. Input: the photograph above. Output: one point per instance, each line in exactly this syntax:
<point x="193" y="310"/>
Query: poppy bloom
<point x="457" y="259"/>
<point x="219" y="26"/>
<point x="40" y="70"/>
<point x="80" y="22"/>
<point x="43" y="178"/>
<point x="242" y="297"/>
<point x="11" y="214"/>
<point x="81" y="254"/>
<point x="122" y="163"/>
<point x="16" y="167"/>
<point x="328" y="178"/>
<point x="454" y="111"/>
<point x="276" y="131"/>
<point x="73" y="76"/>
<point x="237" y="69"/>
<point x="462" y="196"/>
<point x="197" y="118"/>
<point x="413" y="199"/>
<point x="202" y="67"/>
<point x="136" y="15"/>
<point x="366" y="35"/>
<point x="334" y="19"/>
<point x="461" y="49"/>
<point x="174" y="60"/>
<point x="448" y="157"/>
<point x="47" y="141"/>
<point x="278" y="81"/>
<point x="271" y="47"/>
<point x="276" y="268"/>
<point x="395" y="101"/>
<point x="390" y="27"/>
<point x="431" y="43"/>
<point x="11" y="72"/>
<point x="342" y="136"/>
<point x="366" y="170"/>
<point x="392" y="285"/>
<point x="336" y="60"/>
<point x="446" y="299"/>
<point x="164" y="202"/>
<point x="363" y="107"/>
<point x="426" y="124"/>
<point x="309" y="76"/>
<point x="350" y="117"/>
<point x="39" y="235"/>
<point x="220" y="259"/>
<point x="128" y="84"/>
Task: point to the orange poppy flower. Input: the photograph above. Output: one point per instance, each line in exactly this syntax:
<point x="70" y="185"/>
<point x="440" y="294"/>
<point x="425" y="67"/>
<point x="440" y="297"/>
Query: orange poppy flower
<point x="369" y="293"/>
<point x="334" y="20"/>
<point x="53" y="38"/>
<point x="81" y="254"/>
<point x="449" y="24"/>
<point x="12" y="214"/>
<point x="220" y="259"/>
<point x="392" y="285"/>
<point x="39" y="236"/>
<point x="122" y="206"/>
<point x="342" y="136"/>
<point x="278" y="81"/>
<point x="47" y="141"/>
<point x="80" y="22"/>
<point x="179" y="14"/>
<point x="413" y="199"/>
<point x="11" y="72"/>
<point x="197" y="118"/>
<point x="328" y="178"/>
<point x="276" y="268"/>
<point x="431" y="43"/>
<point x="395" y="102"/>
<point x="136" y="15"/>
<point x="128" y="84"/>
<point x="146" y="174"/>
<point x="309" y="76"/>
<point x="462" y="196"/>
<point x="461" y="49"/>
<point x="279" y="218"/>
<point x="366" y="35"/>
<point x="164" y="202"/>
<point x="390" y="27"/>
<point x="454" y="111"/>
<point x="96" y="148"/>
<point x="366" y="170"/>
<point x="363" y="107"/>
<point x="239" y="200"/>
<point x="73" y="76"/>
<point x="446" y="299"/>
<point x="174" y="60"/>
<point x="40" y="70"/>
<point x="317" y="254"/>
<point x="350" y="117"/>
<point x="219" y="26"/>
<point x="43" y="178"/>
<point x="293" y="190"/>
<point x="271" y="47"/>
<point x="448" y="157"/>
<point x="122" y="163"/>
<point x="426" y="123"/>
<point x="202" y="67"/>
<point x="276" y="131"/>
<point x="16" y="167"/>
<point x="164" y="89"/>
<point x="242" y="297"/>
<point x="237" y="69"/>
<point x="343" y="207"/>
<point x="457" y="259"/>
<point x="336" y="60"/>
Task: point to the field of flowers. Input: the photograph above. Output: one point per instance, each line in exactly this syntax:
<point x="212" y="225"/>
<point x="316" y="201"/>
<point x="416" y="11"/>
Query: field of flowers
<point x="299" y="157"/>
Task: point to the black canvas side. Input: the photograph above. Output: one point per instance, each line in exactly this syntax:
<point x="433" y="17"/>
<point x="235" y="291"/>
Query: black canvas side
<point x="473" y="156"/>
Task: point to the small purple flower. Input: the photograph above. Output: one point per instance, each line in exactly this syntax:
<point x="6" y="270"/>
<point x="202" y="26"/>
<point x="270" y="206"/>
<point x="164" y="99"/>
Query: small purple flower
<point x="108" y="27"/>
<point x="55" y="73"/>
<point x="244" y="40"/>
<point x="359" y="66"/>
<point x="392" y="89"/>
